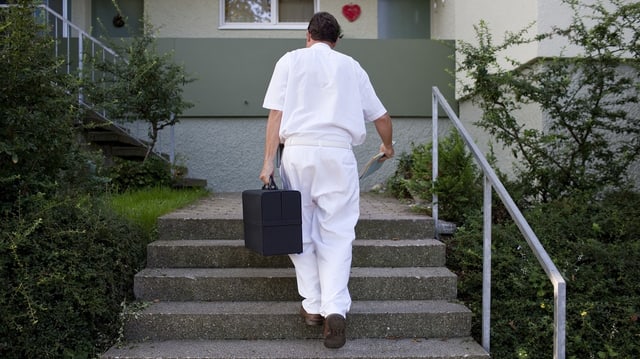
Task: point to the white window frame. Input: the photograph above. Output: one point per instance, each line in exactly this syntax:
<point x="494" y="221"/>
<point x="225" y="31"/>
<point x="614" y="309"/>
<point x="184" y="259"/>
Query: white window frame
<point x="273" y="25"/>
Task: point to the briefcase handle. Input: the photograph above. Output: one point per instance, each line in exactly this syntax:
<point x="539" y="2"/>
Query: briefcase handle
<point x="271" y="185"/>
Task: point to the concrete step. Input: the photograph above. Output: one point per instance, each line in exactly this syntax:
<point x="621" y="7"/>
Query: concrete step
<point x="274" y="284"/>
<point x="233" y="254"/>
<point x="419" y="348"/>
<point x="195" y="229"/>
<point x="281" y="320"/>
<point x="203" y="295"/>
<point x="103" y="136"/>
<point x="220" y="217"/>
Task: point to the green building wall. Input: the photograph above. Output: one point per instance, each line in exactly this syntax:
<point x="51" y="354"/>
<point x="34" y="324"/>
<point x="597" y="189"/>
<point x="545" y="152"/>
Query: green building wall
<point x="232" y="74"/>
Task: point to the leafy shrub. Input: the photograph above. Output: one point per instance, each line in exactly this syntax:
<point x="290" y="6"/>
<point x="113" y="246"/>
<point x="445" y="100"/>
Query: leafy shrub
<point x="38" y="150"/>
<point x="589" y="136"/>
<point x="458" y="185"/>
<point x="571" y="185"/>
<point x="66" y="260"/>
<point x="148" y="86"/>
<point x="595" y="246"/>
<point x="130" y="175"/>
<point x="67" y="266"/>
<point x="397" y="184"/>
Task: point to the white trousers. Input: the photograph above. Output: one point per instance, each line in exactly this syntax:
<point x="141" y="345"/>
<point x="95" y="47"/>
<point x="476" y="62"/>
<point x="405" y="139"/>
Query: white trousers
<point x="327" y="178"/>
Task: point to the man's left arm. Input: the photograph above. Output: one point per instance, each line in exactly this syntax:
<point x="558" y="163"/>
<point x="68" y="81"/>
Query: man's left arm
<point x="384" y="128"/>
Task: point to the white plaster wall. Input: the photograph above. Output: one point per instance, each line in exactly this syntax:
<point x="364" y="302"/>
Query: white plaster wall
<point x="81" y="14"/>
<point x="553" y="14"/>
<point x="365" y="27"/>
<point x="501" y="16"/>
<point x="530" y="116"/>
<point x="443" y="19"/>
<point x="201" y="19"/>
<point x="455" y="19"/>
<point x="468" y="14"/>
<point x="545" y="13"/>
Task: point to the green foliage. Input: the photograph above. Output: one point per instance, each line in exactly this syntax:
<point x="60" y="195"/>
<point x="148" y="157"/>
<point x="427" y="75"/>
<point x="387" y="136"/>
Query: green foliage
<point x="66" y="259"/>
<point x="67" y="266"/>
<point x="38" y="150"/>
<point x="397" y="184"/>
<point x="129" y="175"/>
<point x="595" y="246"/>
<point x="145" y="86"/>
<point x="590" y="135"/>
<point x="458" y="185"/>
<point x="571" y="185"/>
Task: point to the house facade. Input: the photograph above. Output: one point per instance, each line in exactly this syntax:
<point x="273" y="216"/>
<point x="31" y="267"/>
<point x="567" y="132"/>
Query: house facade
<point x="231" y="46"/>
<point x="221" y="138"/>
<point x="455" y="20"/>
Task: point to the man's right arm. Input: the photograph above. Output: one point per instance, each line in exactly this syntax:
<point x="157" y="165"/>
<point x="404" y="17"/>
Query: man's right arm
<point x="271" y="143"/>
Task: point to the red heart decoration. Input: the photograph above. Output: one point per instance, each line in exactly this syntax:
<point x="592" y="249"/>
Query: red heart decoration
<point x="351" y="12"/>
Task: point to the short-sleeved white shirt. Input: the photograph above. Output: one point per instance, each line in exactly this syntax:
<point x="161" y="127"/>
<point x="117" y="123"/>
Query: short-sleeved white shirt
<point x="322" y="94"/>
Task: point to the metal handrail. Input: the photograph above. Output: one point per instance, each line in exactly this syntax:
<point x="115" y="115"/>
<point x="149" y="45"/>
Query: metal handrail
<point x="491" y="181"/>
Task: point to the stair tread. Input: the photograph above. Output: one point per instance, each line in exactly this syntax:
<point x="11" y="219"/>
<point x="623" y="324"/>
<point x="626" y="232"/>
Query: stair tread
<point x="192" y="273"/>
<point x="281" y="320"/>
<point x="240" y="242"/>
<point x="228" y="205"/>
<point x="451" y="348"/>
<point x="367" y="307"/>
<point x="202" y="296"/>
<point x="232" y="253"/>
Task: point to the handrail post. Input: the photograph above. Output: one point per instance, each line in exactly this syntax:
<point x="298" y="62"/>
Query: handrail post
<point x="172" y="143"/>
<point x="434" y="162"/>
<point x="80" y="65"/>
<point x="486" y="266"/>
<point x="560" y="315"/>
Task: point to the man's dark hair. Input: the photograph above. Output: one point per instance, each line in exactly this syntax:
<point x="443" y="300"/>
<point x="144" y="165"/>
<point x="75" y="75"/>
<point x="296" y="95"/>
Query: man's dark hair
<point x="324" y="27"/>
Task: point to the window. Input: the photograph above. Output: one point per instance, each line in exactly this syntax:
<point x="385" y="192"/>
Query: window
<point x="404" y="19"/>
<point x="266" y="14"/>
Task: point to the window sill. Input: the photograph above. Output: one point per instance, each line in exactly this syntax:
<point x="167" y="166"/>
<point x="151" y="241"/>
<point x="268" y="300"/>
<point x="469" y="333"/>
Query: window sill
<point x="292" y="26"/>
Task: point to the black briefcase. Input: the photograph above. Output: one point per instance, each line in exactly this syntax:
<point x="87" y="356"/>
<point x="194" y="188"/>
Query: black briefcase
<point x="272" y="220"/>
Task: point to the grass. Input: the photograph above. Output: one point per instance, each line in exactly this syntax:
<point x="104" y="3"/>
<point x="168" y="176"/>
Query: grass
<point x="144" y="206"/>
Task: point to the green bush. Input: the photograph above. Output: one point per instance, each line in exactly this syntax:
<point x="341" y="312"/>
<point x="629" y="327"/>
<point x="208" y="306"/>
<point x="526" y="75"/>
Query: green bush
<point x="458" y="185"/>
<point x="595" y="246"/>
<point x="67" y="261"/>
<point x="131" y="175"/>
<point x="397" y="184"/>
<point x="587" y="140"/>
<point x="67" y="266"/>
<point x="38" y="107"/>
<point x="570" y="181"/>
<point x="147" y="87"/>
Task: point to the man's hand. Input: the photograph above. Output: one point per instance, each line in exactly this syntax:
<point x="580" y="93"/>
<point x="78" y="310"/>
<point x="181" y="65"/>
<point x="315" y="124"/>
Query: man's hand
<point x="387" y="150"/>
<point x="267" y="171"/>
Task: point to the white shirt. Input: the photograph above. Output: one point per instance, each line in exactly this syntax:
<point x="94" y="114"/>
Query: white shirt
<point x="322" y="94"/>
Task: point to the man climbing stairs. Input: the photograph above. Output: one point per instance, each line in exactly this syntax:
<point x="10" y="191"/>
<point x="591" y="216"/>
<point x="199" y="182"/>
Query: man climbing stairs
<point x="203" y="295"/>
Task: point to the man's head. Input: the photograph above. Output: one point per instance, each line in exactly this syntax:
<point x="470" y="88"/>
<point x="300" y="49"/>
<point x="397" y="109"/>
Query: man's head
<point x="324" y="27"/>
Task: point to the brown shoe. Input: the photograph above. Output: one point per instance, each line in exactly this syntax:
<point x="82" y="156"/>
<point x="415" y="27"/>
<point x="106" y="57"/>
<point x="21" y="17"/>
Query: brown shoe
<point x="311" y="319"/>
<point x="335" y="326"/>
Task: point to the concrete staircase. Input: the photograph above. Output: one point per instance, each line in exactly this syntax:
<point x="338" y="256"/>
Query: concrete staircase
<point x="97" y="132"/>
<point x="205" y="296"/>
